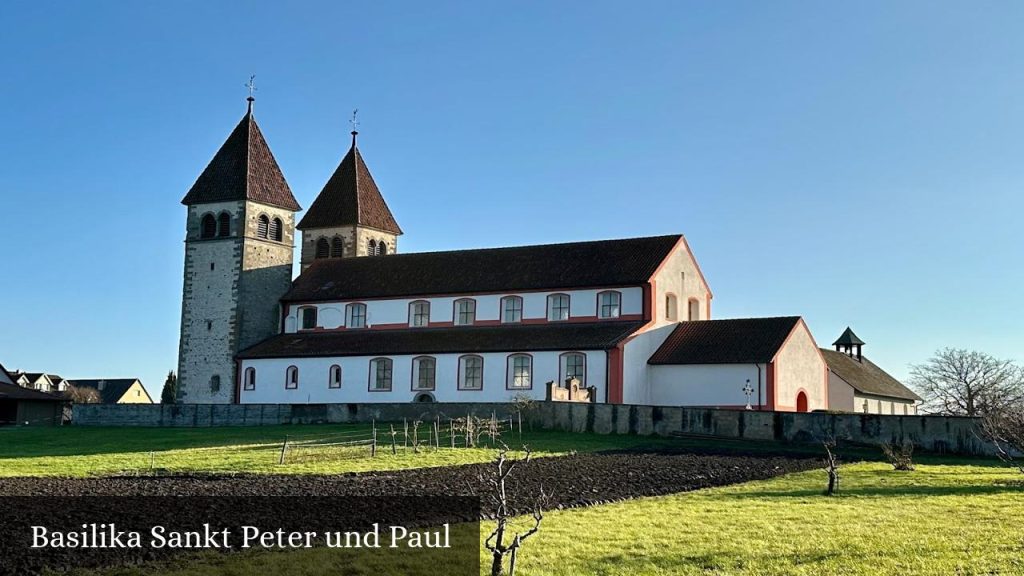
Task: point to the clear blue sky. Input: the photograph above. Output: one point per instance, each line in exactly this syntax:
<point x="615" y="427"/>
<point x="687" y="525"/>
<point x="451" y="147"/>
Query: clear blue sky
<point x="856" y="163"/>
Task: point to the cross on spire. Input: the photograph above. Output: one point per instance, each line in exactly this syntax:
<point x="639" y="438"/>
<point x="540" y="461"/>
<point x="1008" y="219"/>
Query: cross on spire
<point x="355" y="126"/>
<point x="251" y="85"/>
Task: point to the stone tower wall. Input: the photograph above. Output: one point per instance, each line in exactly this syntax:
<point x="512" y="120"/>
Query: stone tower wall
<point x="356" y="239"/>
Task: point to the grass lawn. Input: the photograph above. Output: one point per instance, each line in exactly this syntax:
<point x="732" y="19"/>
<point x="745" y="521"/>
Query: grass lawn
<point x="85" y="451"/>
<point x="939" y="519"/>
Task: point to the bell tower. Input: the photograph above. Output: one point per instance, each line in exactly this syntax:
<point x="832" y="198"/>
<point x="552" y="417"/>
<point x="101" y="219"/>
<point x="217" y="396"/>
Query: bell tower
<point x="239" y="237"/>
<point x="349" y="217"/>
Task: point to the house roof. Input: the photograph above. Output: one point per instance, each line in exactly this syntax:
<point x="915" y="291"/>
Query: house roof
<point x="350" y="197"/>
<point x="15" y="392"/>
<point x="600" y="263"/>
<point x="735" y="341"/>
<point x="113" y="388"/>
<point x="506" y="338"/>
<point x="848" y="338"/>
<point x="866" y="377"/>
<point x="243" y="169"/>
<point x="5" y="376"/>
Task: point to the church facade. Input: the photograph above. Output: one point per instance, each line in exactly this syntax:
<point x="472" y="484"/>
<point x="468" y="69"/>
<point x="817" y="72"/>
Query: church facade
<point x="628" y="319"/>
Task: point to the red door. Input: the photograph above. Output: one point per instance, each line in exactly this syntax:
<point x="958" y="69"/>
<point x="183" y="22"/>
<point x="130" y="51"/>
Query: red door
<point x="801" y="402"/>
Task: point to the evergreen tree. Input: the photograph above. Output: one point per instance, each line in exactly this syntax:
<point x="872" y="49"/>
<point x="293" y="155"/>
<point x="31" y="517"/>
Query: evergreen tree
<point x="170" y="392"/>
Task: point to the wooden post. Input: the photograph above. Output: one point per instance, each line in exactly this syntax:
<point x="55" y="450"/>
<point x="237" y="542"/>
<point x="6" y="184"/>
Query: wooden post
<point x="520" y="414"/>
<point x="284" y="448"/>
<point x="373" y="444"/>
<point x="451" y="431"/>
<point x="405" y="435"/>
<point x="393" y="449"/>
<point x="152" y="455"/>
<point x="437" y="434"/>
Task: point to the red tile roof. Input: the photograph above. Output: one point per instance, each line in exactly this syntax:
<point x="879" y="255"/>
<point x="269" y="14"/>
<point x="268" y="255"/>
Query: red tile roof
<point x="603" y="263"/>
<point x="736" y="341"/>
<point x="350" y="197"/>
<point x="243" y="169"/>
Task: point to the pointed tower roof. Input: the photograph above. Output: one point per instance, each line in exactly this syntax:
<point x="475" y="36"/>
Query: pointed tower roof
<point x="848" y="338"/>
<point x="350" y="197"/>
<point x="243" y="169"/>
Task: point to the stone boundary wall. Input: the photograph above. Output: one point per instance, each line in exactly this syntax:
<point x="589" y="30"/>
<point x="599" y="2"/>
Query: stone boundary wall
<point x="944" y="434"/>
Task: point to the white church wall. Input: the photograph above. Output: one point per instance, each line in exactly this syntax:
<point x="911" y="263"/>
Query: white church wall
<point x="883" y="405"/>
<point x="636" y="385"/>
<point x="840" y="394"/>
<point x="314" y="373"/>
<point x="707" y="384"/>
<point x="799" y="367"/>
<point x="394" y="312"/>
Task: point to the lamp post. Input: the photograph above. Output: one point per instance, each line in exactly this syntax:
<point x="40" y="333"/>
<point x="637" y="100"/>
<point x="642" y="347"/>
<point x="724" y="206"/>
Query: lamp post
<point x="748" y="391"/>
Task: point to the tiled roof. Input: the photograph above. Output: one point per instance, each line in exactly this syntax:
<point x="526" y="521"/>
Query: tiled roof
<point x="15" y="392"/>
<point x="848" y="338"/>
<point x="866" y="377"/>
<point x="243" y="169"/>
<point x="5" y="376"/>
<point x="111" y="391"/>
<point x="736" y="341"/>
<point x="350" y="197"/>
<point x="508" y="338"/>
<point x="547" y="267"/>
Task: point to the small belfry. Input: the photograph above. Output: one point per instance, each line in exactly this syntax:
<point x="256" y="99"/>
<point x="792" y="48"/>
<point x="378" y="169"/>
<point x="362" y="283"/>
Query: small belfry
<point x="238" y="260"/>
<point x="349" y="217"/>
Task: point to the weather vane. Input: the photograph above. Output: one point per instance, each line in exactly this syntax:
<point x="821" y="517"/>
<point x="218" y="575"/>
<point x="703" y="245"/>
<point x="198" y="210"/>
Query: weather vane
<point x="354" y="122"/>
<point x="251" y="85"/>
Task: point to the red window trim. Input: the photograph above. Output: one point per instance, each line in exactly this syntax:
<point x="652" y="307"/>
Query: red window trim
<point x="458" y="373"/>
<point x="412" y="374"/>
<point x="508" y="372"/>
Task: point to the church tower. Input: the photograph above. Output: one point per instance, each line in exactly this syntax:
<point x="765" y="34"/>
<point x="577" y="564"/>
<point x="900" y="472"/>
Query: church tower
<point x="238" y="262"/>
<point x="349" y="217"/>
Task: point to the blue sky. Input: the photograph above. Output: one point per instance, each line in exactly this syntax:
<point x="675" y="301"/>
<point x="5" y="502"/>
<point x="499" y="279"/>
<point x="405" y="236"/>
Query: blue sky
<point x="856" y="163"/>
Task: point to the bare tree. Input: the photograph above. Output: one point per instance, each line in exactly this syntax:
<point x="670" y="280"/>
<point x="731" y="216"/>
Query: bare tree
<point x="82" y="395"/>
<point x="958" y="382"/>
<point x="831" y="466"/>
<point x="1005" y="430"/>
<point x="499" y="544"/>
<point x="901" y="457"/>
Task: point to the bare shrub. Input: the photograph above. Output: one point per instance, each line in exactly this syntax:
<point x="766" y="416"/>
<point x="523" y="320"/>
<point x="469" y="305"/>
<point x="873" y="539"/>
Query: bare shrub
<point x="502" y="542"/>
<point x="1005" y="430"/>
<point x="901" y="457"/>
<point x="82" y="395"/>
<point x="831" y="466"/>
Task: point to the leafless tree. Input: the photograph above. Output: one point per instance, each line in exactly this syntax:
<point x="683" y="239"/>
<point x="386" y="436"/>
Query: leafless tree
<point x="82" y="395"/>
<point x="499" y="543"/>
<point x="1005" y="430"/>
<point x="901" y="457"/>
<point x="831" y="466"/>
<point x="958" y="382"/>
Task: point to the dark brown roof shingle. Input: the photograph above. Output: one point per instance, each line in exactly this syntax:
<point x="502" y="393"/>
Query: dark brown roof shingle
<point x="243" y="169"/>
<point x="735" y="341"/>
<point x="15" y="392"/>
<point x="866" y="377"/>
<point x="111" y="390"/>
<point x="350" y="197"/>
<point x="508" y="338"/>
<point x="601" y="263"/>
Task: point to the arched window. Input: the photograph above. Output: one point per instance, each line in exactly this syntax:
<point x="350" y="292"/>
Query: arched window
<point x="308" y="317"/>
<point x="558" y="307"/>
<point x="323" y="248"/>
<point x="275" y="229"/>
<point x="291" y="378"/>
<point x="334" y="377"/>
<point x="424" y="397"/>
<point x="208" y="227"/>
<point x="520" y="372"/>
<point x="471" y="372"/>
<point x="371" y="248"/>
<point x="424" y="370"/>
<point x="511" y="309"/>
<point x="465" y="312"/>
<point x="215" y="383"/>
<point x="382" y="248"/>
<point x="337" y="247"/>
<point x="249" y="381"/>
<point x="609" y="304"/>
<point x="671" y="307"/>
<point x="224" y="224"/>
<point x="355" y="315"/>
<point x="262" y="226"/>
<point x="693" y="309"/>
<point x="380" y="375"/>
<point x="419" y="313"/>
<point x="573" y="365"/>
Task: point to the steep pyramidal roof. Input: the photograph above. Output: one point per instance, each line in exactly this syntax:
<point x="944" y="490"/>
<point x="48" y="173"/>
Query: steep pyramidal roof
<point x="243" y="169"/>
<point x="350" y="197"/>
<point x="848" y="338"/>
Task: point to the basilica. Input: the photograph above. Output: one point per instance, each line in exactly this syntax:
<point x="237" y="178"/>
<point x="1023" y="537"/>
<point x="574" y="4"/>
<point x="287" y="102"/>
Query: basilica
<point x="623" y="320"/>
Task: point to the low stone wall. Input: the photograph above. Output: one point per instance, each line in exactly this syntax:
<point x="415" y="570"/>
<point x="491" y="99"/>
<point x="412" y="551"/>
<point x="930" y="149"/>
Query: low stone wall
<point x="935" y="433"/>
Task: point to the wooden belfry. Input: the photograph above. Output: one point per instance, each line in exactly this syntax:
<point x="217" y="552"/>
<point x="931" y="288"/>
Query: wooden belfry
<point x="847" y="342"/>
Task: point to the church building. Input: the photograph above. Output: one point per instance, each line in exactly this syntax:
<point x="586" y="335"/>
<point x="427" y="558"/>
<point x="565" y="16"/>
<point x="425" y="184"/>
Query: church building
<point x="628" y="320"/>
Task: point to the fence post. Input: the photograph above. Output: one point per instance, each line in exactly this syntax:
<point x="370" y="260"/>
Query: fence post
<point x="405" y="436"/>
<point x="393" y="450"/>
<point x="284" y="448"/>
<point x="437" y="434"/>
<point x="451" y="431"/>
<point x="520" y="414"/>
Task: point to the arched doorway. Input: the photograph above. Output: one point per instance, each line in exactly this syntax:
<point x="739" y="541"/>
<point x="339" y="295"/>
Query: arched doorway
<point x="801" y="402"/>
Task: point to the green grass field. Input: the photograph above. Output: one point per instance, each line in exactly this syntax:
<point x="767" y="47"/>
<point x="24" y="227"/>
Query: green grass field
<point x="71" y="451"/>
<point x="939" y="519"/>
